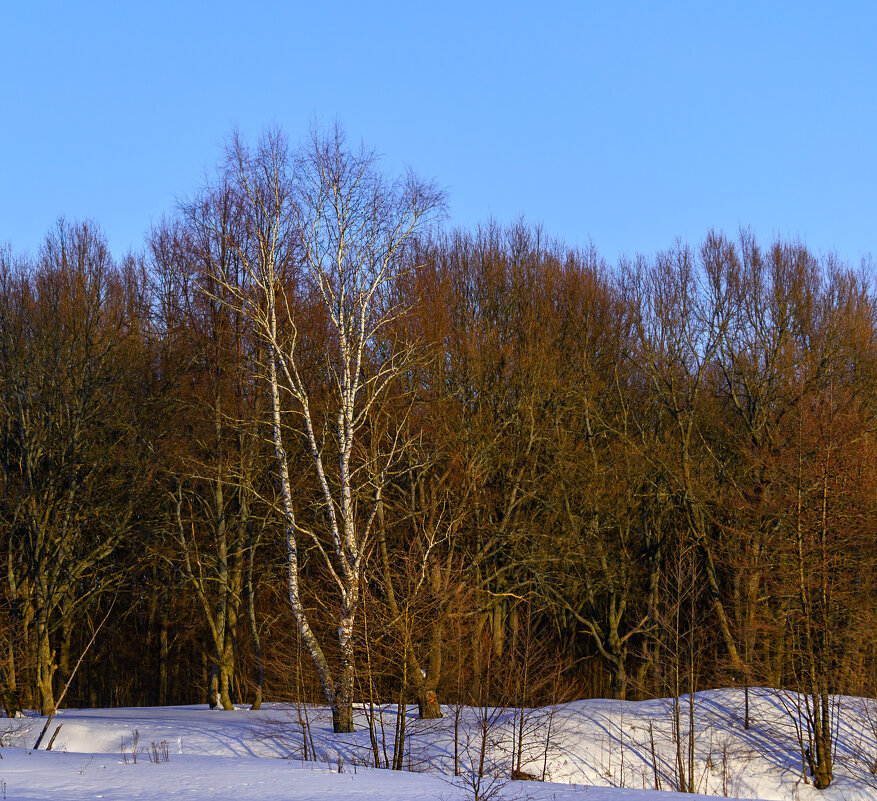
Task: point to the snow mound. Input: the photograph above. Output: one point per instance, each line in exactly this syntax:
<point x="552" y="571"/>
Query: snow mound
<point x="613" y="750"/>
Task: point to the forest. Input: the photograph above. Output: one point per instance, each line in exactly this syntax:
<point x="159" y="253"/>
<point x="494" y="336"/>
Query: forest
<point x="313" y="444"/>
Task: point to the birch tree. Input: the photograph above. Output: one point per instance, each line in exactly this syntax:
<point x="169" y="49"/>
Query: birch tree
<point x="327" y="236"/>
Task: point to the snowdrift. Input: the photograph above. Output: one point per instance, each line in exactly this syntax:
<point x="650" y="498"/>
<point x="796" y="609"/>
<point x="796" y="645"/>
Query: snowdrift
<point x="606" y="749"/>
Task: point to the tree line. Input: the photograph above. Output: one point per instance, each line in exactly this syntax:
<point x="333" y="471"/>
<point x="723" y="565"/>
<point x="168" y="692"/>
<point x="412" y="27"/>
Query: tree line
<point x="310" y="444"/>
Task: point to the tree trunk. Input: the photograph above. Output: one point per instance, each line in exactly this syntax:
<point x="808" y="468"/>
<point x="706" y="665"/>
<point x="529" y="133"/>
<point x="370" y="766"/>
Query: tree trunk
<point x="618" y="683"/>
<point x="45" y="670"/>
<point x="64" y="659"/>
<point x="162" y="656"/>
<point x="213" y="685"/>
<point x="342" y="705"/>
<point x="427" y="701"/>
<point x="226" y="654"/>
<point x="226" y="672"/>
<point x="254" y="628"/>
<point x="823" y="767"/>
<point x="427" y="704"/>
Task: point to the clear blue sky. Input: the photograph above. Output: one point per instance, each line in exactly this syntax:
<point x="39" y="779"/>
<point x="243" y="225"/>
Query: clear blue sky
<point x="625" y="124"/>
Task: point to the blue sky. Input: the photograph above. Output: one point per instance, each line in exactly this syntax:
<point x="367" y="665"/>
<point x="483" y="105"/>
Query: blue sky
<point x="623" y="124"/>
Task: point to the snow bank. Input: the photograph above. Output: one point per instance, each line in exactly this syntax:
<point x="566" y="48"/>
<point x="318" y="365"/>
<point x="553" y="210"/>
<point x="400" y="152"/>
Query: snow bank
<point x="619" y="750"/>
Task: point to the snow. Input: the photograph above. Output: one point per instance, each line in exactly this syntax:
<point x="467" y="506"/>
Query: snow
<point x="36" y="776"/>
<point x="198" y="754"/>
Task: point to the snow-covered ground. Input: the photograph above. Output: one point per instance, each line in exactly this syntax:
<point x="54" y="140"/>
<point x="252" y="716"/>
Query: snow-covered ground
<point x="602" y="749"/>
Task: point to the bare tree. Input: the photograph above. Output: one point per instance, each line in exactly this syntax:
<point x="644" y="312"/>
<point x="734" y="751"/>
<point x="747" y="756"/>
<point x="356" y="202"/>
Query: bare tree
<point x="681" y="319"/>
<point x="215" y="524"/>
<point x="68" y="337"/>
<point x="324" y="245"/>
